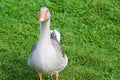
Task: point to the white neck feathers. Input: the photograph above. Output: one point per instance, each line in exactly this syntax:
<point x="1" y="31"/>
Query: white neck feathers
<point x="45" y="31"/>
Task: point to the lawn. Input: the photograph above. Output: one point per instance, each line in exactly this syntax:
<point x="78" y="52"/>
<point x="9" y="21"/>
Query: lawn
<point x="90" y="37"/>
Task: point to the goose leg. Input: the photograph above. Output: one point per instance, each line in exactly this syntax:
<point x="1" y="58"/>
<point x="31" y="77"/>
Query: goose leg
<point x="56" y="76"/>
<point x="40" y="76"/>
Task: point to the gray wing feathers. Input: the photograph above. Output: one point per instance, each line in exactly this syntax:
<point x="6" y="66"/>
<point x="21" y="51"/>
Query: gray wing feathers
<point x="34" y="47"/>
<point x="57" y="47"/>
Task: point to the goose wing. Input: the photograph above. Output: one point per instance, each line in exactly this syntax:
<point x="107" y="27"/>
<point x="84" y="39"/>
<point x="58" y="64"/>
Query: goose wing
<point x="57" y="47"/>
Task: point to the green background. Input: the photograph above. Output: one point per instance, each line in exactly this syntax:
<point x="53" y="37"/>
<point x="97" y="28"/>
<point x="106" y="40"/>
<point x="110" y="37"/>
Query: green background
<point x="90" y="37"/>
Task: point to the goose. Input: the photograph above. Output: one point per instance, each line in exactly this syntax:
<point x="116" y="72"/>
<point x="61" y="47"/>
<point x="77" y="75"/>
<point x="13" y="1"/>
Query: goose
<point x="46" y="56"/>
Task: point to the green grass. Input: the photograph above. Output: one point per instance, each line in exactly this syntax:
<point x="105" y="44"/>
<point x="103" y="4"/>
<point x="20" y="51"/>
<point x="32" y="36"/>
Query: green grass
<point x="90" y="36"/>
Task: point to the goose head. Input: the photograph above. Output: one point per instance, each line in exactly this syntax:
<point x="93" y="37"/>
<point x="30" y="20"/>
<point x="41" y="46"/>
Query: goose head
<point x="44" y="14"/>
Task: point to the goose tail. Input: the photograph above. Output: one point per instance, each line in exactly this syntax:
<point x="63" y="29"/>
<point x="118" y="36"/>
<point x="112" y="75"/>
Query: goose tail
<point x="54" y="34"/>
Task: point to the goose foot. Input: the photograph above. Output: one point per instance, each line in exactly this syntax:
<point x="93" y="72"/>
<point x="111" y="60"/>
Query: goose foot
<point x="56" y="76"/>
<point x="40" y="76"/>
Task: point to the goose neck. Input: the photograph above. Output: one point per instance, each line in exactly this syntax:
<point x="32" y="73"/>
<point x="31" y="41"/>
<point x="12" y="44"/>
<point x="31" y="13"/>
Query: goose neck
<point x="45" y="30"/>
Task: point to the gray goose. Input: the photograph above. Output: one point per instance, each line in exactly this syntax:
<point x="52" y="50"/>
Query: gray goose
<point x="46" y="55"/>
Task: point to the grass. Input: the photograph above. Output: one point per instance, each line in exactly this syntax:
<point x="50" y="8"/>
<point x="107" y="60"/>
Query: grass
<point x="90" y="36"/>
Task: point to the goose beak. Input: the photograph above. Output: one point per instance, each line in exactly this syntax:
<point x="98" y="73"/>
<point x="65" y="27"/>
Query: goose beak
<point x="42" y="16"/>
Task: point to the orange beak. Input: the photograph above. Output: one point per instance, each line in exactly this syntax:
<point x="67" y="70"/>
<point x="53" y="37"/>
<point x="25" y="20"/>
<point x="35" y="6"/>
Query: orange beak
<point x="42" y="16"/>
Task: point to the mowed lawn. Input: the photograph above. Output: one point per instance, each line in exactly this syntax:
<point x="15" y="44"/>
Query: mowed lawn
<point x="90" y="37"/>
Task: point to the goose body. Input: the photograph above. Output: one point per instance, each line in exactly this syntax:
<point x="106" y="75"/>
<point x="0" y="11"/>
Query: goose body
<point x="46" y="55"/>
